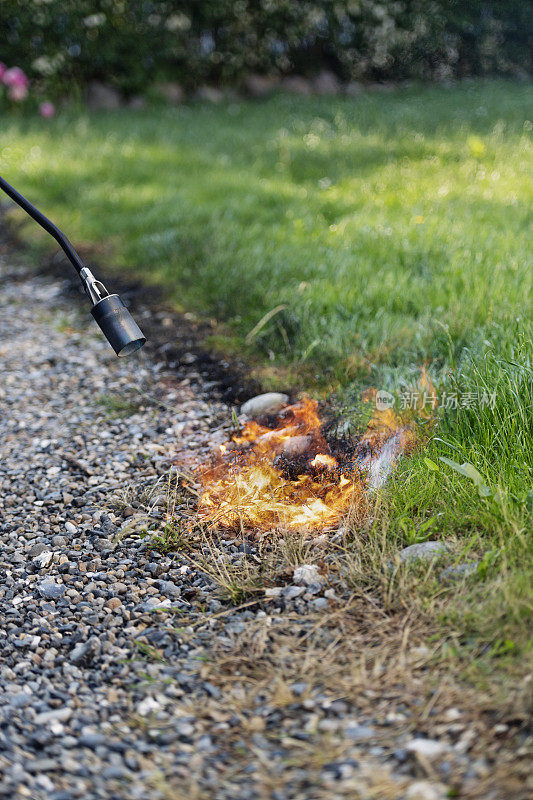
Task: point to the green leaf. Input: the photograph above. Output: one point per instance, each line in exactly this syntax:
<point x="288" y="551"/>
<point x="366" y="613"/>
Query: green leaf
<point x="431" y="465"/>
<point x="427" y="524"/>
<point x="469" y="471"/>
<point x="504" y="646"/>
<point x="489" y="559"/>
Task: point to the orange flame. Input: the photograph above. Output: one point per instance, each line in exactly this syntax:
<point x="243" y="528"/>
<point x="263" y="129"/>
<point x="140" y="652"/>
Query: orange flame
<point x="288" y="476"/>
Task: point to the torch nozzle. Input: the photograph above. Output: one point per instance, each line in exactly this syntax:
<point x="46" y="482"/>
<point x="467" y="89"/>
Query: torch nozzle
<point x="112" y="316"/>
<point x="117" y="325"/>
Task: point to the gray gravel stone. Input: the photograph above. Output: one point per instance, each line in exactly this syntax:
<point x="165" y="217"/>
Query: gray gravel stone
<point x="36" y="549"/>
<point x="424" y="551"/>
<point x="51" y="590"/>
<point x="169" y="589"/>
<point x="306" y="575"/>
<point x="359" y="732"/>
<point x="292" y="592"/>
<point x="85" y="652"/>
<point x="460" y="571"/>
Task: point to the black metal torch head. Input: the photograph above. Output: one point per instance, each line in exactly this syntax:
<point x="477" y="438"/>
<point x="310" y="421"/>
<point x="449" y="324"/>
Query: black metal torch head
<point x="117" y="325"/>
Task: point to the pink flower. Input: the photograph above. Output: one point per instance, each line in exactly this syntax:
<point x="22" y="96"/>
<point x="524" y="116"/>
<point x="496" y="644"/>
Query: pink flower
<point x="3" y="68"/>
<point x="17" y="93"/>
<point x="15" y="78"/>
<point x="47" y="110"/>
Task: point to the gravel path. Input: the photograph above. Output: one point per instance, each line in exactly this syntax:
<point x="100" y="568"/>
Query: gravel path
<point x="100" y="695"/>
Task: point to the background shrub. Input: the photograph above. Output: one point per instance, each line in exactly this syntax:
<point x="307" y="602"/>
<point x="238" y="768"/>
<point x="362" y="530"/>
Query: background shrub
<point x="131" y="43"/>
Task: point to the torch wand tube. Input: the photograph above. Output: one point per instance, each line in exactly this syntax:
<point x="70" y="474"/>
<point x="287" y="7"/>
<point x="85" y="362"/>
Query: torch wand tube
<point x="110" y="313"/>
<point x="44" y="222"/>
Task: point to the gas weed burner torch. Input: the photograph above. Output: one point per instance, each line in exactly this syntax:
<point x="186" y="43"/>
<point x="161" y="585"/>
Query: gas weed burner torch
<point x="110" y="313"/>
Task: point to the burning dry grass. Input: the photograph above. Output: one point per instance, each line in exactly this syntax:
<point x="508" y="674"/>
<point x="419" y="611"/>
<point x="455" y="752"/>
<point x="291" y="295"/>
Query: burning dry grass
<point x="288" y="472"/>
<point x="284" y="472"/>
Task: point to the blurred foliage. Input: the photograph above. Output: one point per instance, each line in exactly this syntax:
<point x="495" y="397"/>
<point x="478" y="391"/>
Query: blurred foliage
<point x="131" y="43"/>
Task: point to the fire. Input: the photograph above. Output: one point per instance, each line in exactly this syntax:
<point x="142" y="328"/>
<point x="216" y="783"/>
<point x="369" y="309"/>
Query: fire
<point x="323" y="461"/>
<point x="290" y="475"/>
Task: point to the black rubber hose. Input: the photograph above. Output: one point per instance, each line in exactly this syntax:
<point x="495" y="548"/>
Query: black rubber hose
<point x="44" y="222"/>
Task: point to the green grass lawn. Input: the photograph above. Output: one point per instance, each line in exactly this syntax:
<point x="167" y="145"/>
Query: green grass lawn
<point x="384" y="232"/>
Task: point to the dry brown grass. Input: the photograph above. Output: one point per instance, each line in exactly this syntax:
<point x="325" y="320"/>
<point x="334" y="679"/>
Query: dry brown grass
<point x="382" y="646"/>
<point x="380" y="664"/>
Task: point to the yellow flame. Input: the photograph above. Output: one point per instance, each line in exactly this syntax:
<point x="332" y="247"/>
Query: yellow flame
<point x="322" y="460"/>
<point x="248" y="484"/>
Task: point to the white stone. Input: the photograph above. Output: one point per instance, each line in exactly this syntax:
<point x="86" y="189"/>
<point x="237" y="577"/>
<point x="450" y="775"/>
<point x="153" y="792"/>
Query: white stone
<point x="295" y="446"/>
<point x="292" y="592"/>
<point x="395" y="716"/>
<point x="297" y="85"/>
<point x="354" y="89"/>
<point x="429" y="748"/>
<point x="260" y="85"/>
<point x="210" y="94"/>
<point x="171" y="91"/>
<point x="57" y="715"/>
<point x="43" y="559"/>
<point x="425" y="790"/>
<point x="461" y="571"/>
<point x="452" y="714"/>
<point x="147" y="705"/>
<point x="268" y="403"/>
<point x="307" y="574"/>
<point x="273" y="591"/>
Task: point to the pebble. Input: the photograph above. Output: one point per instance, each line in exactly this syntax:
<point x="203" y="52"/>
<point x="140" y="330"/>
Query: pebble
<point x="273" y="591"/>
<point x="425" y="790"/>
<point x="306" y="575"/>
<point x="424" y="551"/>
<point x="58" y="715"/>
<point x="292" y="592"/>
<point x="147" y="706"/>
<point x="359" y="732"/>
<point x="460" y="571"/>
<point x="170" y="589"/>
<point x="43" y="559"/>
<point x="298" y="688"/>
<point x="261" y="404"/>
<point x="295" y="446"/>
<point x="36" y="549"/>
<point x="51" y="590"/>
<point x="85" y="652"/>
<point x="426" y="747"/>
